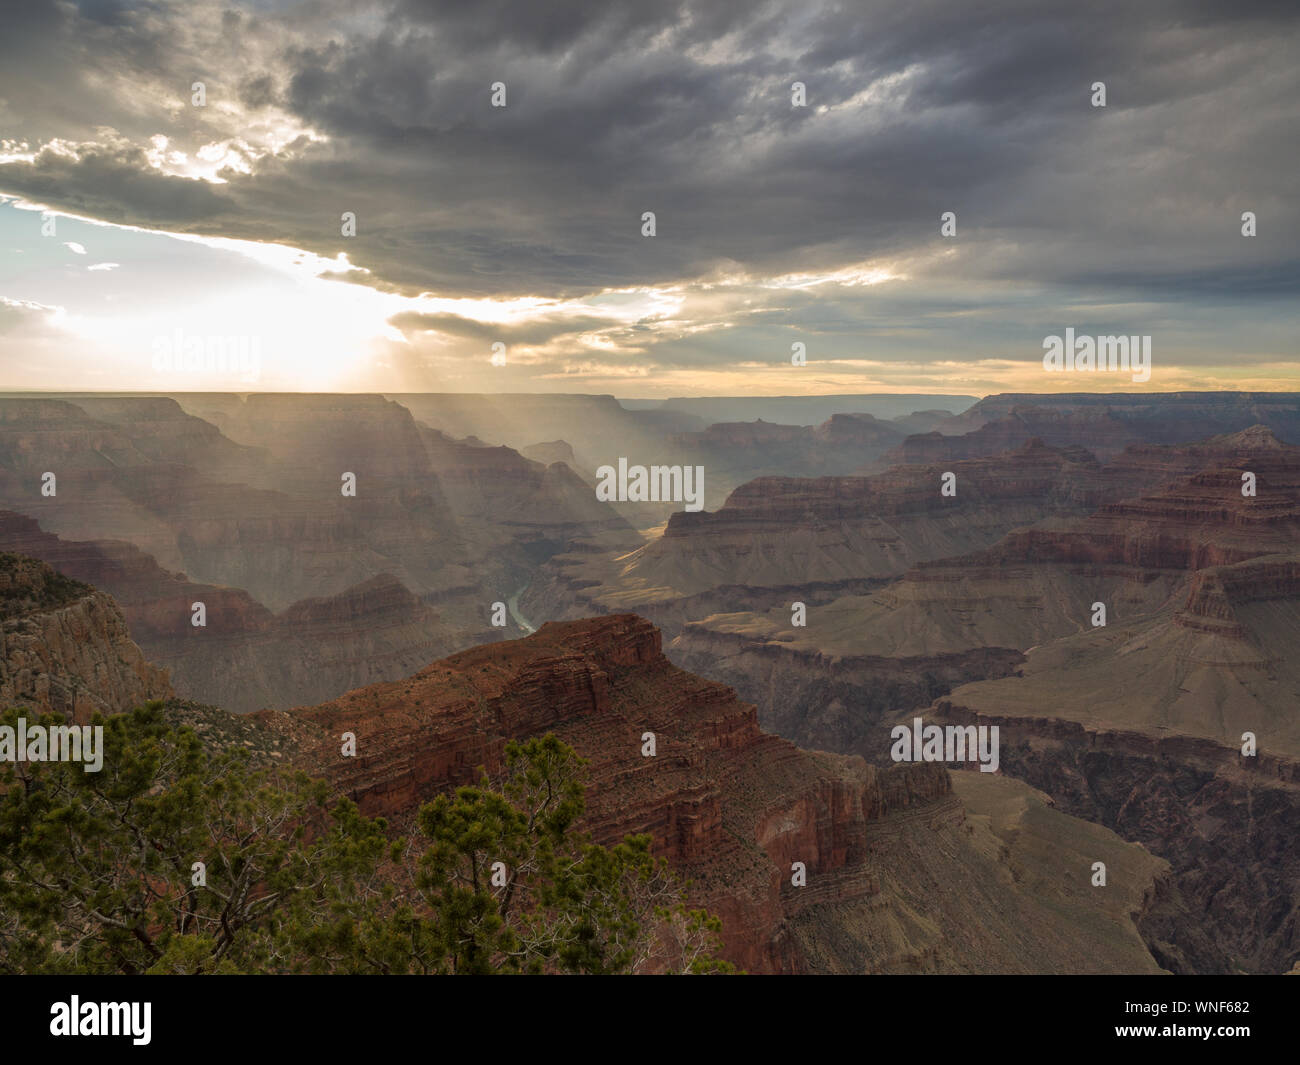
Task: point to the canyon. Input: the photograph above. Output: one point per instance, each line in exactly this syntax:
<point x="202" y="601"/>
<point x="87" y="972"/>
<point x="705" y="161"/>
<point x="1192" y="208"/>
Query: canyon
<point x="1136" y="724"/>
<point x="308" y="591"/>
<point x="1111" y="581"/>
<point x="908" y="869"/>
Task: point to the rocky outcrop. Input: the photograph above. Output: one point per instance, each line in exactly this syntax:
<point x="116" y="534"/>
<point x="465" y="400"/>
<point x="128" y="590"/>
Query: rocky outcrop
<point x="65" y="648"/>
<point x="829" y="701"/>
<point x="530" y="511"/>
<point x="1215" y="593"/>
<point x="549" y="452"/>
<point x="900" y="877"/>
<point x="728" y="804"/>
<point x="1034" y="471"/>
<point x="1204" y="521"/>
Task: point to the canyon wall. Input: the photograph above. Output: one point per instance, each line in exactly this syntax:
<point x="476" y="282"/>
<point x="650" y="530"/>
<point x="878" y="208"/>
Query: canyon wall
<point x="893" y="858"/>
<point x="65" y="647"/>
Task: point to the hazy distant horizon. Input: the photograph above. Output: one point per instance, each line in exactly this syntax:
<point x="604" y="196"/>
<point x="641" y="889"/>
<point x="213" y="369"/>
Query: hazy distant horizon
<point x="633" y="398"/>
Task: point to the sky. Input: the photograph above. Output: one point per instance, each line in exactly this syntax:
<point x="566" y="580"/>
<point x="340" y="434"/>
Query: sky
<point x="152" y="240"/>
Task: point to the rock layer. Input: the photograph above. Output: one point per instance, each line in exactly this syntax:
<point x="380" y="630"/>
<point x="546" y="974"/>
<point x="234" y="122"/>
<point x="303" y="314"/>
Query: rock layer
<point x="889" y="852"/>
<point x="65" y="648"/>
<point x="245" y="657"/>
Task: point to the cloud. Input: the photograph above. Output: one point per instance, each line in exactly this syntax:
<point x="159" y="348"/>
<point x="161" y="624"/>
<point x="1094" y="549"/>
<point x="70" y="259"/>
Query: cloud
<point x="25" y="314"/>
<point x="113" y="181"/>
<point x="686" y="111"/>
<point x="384" y="110"/>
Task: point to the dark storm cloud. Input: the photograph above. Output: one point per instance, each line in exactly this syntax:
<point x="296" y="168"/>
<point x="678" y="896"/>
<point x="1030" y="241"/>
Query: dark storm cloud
<point x="534" y="331"/>
<point x="547" y="29"/>
<point x="684" y="109"/>
<point x="115" y="183"/>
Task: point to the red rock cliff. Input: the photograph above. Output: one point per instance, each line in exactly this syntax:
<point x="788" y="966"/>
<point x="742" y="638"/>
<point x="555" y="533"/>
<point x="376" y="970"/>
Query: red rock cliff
<point x="731" y="806"/>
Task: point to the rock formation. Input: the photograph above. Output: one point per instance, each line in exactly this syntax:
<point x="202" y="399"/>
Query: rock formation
<point x="246" y="657"/>
<point x="902" y="877"/>
<point x="1103" y="423"/>
<point x="65" y="648"/>
<point x="1137" y="720"/>
<point x="816" y="538"/>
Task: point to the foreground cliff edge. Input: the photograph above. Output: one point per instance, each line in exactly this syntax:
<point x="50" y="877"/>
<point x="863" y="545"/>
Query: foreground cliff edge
<point x="903" y="873"/>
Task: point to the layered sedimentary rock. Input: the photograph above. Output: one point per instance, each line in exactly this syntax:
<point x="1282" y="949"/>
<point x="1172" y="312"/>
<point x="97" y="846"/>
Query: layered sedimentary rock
<point x="977" y="607"/>
<point x="396" y="518"/>
<point x="1136" y="718"/>
<point x="245" y="656"/>
<point x="1134" y="557"/>
<point x="1214" y="663"/>
<point x="903" y="876"/>
<point x="1204" y="520"/>
<point x="65" y="647"/>
<point x="972" y="616"/>
<point x="811" y="539"/>
<point x="1098" y="430"/>
<point x="895" y="862"/>
<point x="161" y="430"/>
<point x="281" y="499"/>
<point x="1105" y="423"/>
<point x="819" y="698"/>
<point x="453" y="517"/>
<point x="284" y="534"/>
<point x="735" y="452"/>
